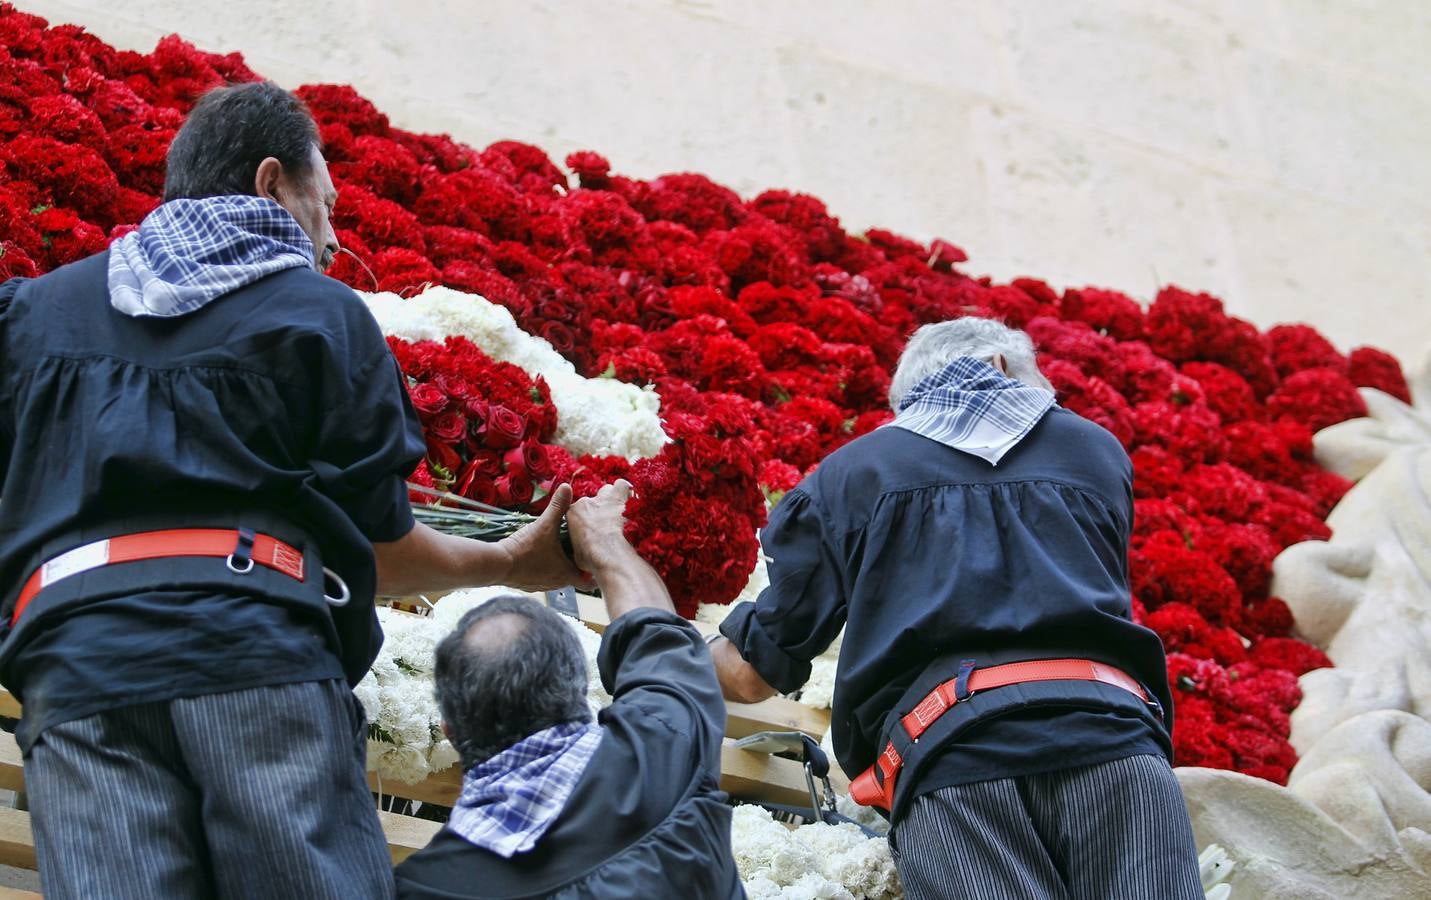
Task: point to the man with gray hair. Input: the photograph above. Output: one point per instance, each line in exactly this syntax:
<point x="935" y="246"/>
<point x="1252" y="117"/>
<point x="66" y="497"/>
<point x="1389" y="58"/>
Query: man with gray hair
<point x="553" y="803"/>
<point x="994" y="697"/>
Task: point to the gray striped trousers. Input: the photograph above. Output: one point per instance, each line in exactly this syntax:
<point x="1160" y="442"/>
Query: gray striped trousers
<point x="1114" y="830"/>
<point x="254" y="793"/>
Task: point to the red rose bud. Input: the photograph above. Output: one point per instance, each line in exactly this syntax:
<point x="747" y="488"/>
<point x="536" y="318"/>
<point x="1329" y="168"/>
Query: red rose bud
<point x="513" y="490"/>
<point x="532" y="458"/>
<point x="475" y="483"/>
<point x="475" y="408"/>
<point x="449" y="427"/>
<point x="442" y="459"/>
<point x="559" y="336"/>
<point x="489" y="464"/>
<point x="503" y="428"/>
<point x="428" y="399"/>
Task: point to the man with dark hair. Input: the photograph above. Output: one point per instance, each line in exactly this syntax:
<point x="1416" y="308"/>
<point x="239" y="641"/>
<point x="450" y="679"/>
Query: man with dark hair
<point x="203" y="446"/>
<point x="552" y="803"/>
<point x="994" y="697"/>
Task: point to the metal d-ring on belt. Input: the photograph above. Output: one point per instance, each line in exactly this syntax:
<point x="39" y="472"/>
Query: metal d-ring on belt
<point x="240" y="548"/>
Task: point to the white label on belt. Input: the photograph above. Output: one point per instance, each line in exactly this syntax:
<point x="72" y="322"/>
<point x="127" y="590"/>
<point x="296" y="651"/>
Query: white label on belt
<point x="80" y="559"/>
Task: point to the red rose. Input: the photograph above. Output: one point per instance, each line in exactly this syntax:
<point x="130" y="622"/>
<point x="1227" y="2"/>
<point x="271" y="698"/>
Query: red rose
<point x="428" y="399"/>
<point x="559" y="336"/>
<point x="532" y="458"/>
<point x="449" y="427"/>
<point x="503" y="428"/>
<point x="456" y="388"/>
<point x="513" y="490"/>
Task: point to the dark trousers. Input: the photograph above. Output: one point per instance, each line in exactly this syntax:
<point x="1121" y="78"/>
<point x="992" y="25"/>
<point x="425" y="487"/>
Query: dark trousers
<point x="254" y="793"/>
<point x="1113" y="830"/>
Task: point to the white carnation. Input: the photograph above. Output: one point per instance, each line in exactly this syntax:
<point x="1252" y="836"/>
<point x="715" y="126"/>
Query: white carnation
<point x="599" y="416"/>
<point x="819" y="860"/>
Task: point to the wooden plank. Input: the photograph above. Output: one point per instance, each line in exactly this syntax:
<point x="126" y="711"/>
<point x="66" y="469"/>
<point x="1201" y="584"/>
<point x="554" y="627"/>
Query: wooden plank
<point x="744" y="775"/>
<point x="406" y="835"/>
<point x="9" y="893"/>
<point x="12" y="773"/>
<point x="9" y="706"/>
<point x="17" y="842"/>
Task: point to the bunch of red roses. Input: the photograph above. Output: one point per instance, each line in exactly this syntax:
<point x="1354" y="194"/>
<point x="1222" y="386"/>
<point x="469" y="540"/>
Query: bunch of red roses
<point x="769" y="332"/>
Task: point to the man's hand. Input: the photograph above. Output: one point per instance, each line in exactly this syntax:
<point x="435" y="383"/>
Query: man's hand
<point x="597" y="525"/>
<point x="597" y="534"/>
<point x="535" y="558"/>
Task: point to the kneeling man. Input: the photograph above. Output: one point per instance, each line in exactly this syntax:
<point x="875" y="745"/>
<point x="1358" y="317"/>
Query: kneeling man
<point x="553" y="803"/>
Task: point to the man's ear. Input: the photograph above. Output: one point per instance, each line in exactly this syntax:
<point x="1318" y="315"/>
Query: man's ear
<point x="1000" y="363"/>
<point x="268" y="180"/>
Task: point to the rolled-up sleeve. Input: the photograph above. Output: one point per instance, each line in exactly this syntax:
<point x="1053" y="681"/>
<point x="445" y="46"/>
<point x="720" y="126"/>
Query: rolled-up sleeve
<point x="368" y="444"/>
<point x="656" y="661"/>
<point x="800" y="613"/>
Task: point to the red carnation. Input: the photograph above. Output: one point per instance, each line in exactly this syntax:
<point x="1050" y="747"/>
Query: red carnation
<point x="1373" y="368"/>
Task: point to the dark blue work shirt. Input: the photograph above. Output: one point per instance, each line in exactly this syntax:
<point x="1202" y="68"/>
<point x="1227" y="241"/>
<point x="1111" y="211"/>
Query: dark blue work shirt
<point x="926" y="551"/>
<point x="647" y="818"/>
<point x="278" y="407"/>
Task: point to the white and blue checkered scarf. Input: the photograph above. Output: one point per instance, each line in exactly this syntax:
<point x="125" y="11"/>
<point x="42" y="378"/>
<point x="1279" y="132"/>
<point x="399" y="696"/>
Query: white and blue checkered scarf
<point x="188" y="253"/>
<point x="971" y="406"/>
<point x="508" y="802"/>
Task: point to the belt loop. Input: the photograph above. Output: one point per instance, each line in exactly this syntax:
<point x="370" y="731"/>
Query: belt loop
<point x="241" y="560"/>
<point x="961" y="684"/>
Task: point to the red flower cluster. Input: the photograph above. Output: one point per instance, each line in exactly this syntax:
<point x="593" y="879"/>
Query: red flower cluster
<point x="769" y="332"/>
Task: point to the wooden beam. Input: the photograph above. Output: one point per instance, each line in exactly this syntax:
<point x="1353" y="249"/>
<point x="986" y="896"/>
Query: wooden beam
<point x="9" y="706"/>
<point x="12" y="773"/>
<point x="17" y="842"/>
<point x="9" y="893"/>
<point x="406" y="835"/>
<point x="744" y="775"/>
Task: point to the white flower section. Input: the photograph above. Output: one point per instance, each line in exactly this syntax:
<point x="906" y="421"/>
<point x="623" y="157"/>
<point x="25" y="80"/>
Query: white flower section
<point x="812" y="861"/>
<point x="600" y="416"/>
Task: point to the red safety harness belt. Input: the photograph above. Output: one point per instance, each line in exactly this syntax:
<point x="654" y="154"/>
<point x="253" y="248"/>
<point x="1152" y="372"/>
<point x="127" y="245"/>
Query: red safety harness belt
<point x="868" y="790"/>
<point x="242" y="545"/>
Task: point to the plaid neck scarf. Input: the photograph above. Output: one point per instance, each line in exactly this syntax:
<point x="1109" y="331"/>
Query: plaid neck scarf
<point x="187" y="253"/>
<point x="970" y="406"/>
<point x="508" y="802"/>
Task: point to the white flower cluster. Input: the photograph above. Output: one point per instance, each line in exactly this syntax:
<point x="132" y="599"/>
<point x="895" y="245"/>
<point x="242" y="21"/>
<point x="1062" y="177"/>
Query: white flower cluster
<point x="405" y="740"/>
<point x="601" y="416"/>
<point x="1214" y="868"/>
<point x="831" y="862"/>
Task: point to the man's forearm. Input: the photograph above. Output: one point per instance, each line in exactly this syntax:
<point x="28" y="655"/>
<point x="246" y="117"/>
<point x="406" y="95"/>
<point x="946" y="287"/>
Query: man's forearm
<point x="629" y="583"/>
<point x="426" y="560"/>
<point x="739" y="681"/>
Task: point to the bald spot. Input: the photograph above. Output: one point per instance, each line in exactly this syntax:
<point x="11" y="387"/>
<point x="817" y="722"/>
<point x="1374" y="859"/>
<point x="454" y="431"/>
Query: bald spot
<point x="495" y="633"/>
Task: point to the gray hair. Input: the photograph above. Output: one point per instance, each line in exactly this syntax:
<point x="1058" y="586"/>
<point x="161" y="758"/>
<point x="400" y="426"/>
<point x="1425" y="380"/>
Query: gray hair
<point x="935" y="346"/>
<point x="521" y="672"/>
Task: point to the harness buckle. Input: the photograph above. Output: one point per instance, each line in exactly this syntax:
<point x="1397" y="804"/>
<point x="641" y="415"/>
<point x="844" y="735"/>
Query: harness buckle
<point x="240" y="562"/>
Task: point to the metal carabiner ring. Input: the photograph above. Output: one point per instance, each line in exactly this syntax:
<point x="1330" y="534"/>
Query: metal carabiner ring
<point x="343" y="596"/>
<point x="235" y="569"/>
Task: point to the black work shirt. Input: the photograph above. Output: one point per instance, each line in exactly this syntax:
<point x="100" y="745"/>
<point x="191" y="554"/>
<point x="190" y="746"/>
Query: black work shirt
<point x="926" y="551"/>
<point x="647" y="818"/>
<point x="278" y="406"/>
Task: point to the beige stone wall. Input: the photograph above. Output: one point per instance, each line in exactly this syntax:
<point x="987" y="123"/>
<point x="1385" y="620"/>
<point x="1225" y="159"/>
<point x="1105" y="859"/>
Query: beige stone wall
<point x="1270" y="151"/>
